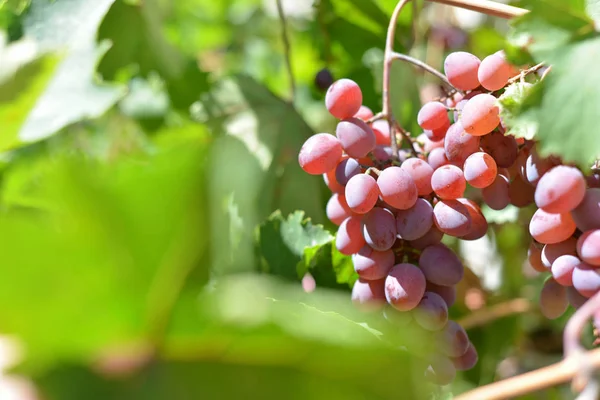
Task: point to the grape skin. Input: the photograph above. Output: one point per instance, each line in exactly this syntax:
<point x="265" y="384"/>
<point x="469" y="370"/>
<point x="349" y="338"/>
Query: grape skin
<point x="349" y="238"/>
<point x="320" y="154"/>
<point x="461" y="70"/>
<point x="459" y="145"/>
<point x="337" y="209"/>
<point x="357" y="138"/>
<point x="494" y="71"/>
<point x="536" y="167"/>
<point x="467" y="360"/>
<point x="453" y="340"/>
<point x="448" y="182"/>
<point x="381" y="130"/>
<point x="551" y="228"/>
<point x="397" y="318"/>
<point x="479" y="225"/>
<point x="503" y="149"/>
<point x="415" y="222"/>
<point x="371" y="265"/>
<point x="433" y="236"/>
<point x="534" y="256"/>
<point x="587" y="214"/>
<point x="452" y="217"/>
<point x="448" y="293"/>
<point x="563" y="267"/>
<point x="332" y="183"/>
<point x="346" y="169"/>
<point x="588" y="247"/>
<point x="440" y="371"/>
<point x="432" y="312"/>
<point x="480" y="170"/>
<point x="441" y="266"/>
<point x="521" y="194"/>
<point x="397" y="188"/>
<point x="369" y="295"/>
<point x="436" y="135"/>
<point x="343" y="98"/>
<point x="361" y="193"/>
<point x="379" y="228"/>
<point x="560" y="190"/>
<point x="496" y="195"/>
<point x="364" y="113"/>
<point x="404" y="286"/>
<point x="433" y="115"/>
<point x="421" y="173"/>
<point x="437" y="158"/>
<point x="553" y="299"/>
<point x="551" y="252"/>
<point x="480" y="115"/>
<point x="576" y="300"/>
<point x="586" y="281"/>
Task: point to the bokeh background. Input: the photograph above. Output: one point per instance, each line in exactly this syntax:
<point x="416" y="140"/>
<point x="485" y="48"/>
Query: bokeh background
<point x="155" y="226"/>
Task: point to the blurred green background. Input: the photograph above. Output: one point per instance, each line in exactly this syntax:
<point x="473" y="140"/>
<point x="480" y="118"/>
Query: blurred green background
<point x="155" y="224"/>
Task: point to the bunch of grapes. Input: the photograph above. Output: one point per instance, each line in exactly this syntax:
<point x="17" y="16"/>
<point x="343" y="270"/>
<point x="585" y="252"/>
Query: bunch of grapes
<point x="394" y="209"/>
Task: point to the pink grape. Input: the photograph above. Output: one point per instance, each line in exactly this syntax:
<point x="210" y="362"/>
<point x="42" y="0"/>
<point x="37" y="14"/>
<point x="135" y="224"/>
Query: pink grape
<point x="503" y="149"/>
<point x="586" y="281"/>
<point x="440" y="265"/>
<point x="452" y="217"/>
<point x="494" y="71"/>
<point x="332" y="183"/>
<point x="453" y="340"/>
<point x="534" y="256"/>
<point x="433" y="236"/>
<point x="496" y="195"/>
<point x="404" y="286"/>
<point x="480" y="115"/>
<point x="448" y="182"/>
<point x="467" y="360"/>
<point x="432" y="115"/>
<point x="536" y="167"/>
<point x="480" y="170"/>
<point x="432" y="312"/>
<point x="356" y="137"/>
<point x="361" y="193"/>
<point x="320" y="154"/>
<point x="379" y="228"/>
<point x="349" y="238"/>
<point x="438" y="134"/>
<point x="560" y="190"/>
<point x="521" y="193"/>
<point x="461" y="70"/>
<point x="337" y="209"/>
<point x="459" y="145"/>
<point x="551" y="228"/>
<point x="382" y="153"/>
<point x="415" y="222"/>
<point x="381" y="129"/>
<point x="448" y="293"/>
<point x="343" y="98"/>
<point x="563" y="267"/>
<point x="364" y="113"/>
<point x="437" y="158"/>
<point x="593" y="180"/>
<point x="587" y="214"/>
<point x="588" y="247"/>
<point x="346" y="169"/>
<point x="397" y="188"/>
<point x="440" y="371"/>
<point x="551" y="252"/>
<point x="369" y="295"/>
<point x="576" y="300"/>
<point x="459" y="107"/>
<point x="479" y="225"/>
<point x="371" y="264"/>
<point x="553" y="299"/>
<point x="421" y="172"/>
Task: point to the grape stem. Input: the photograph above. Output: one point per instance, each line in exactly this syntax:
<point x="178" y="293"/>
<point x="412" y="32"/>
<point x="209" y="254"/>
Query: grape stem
<point x="425" y="67"/>
<point x="287" y="50"/>
<point x="524" y="73"/>
<point x="486" y="7"/>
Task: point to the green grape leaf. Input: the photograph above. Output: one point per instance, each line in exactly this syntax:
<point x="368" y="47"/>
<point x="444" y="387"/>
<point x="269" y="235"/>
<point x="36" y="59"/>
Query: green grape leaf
<point x="328" y="266"/>
<point x="511" y="107"/>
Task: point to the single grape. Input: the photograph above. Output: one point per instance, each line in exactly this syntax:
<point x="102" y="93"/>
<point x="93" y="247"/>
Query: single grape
<point x="496" y="195"/>
<point x="332" y="183"/>
<point x="379" y="228"/>
<point x="343" y="98"/>
<point x="467" y="360"/>
<point x="381" y="129"/>
<point x="453" y="340"/>
<point x="369" y="295"/>
<point x="337" y="209"/>
<point x="479" y="225"/>
<point x="361" y="193"/>
<point x="586" y="281"/>
<point x="382" y="153"/>
<point x="349" y="238"/>
<point x="448" y="182"/>
<point x="551" y="228"/>
<point x="371" y="264"/>
<point x="459" y="145"/>
<point x="448" y="293"/>
<point x="563" y="267"/>
<point x="415" y="222"/>
<point x="364" y="113"/>
<point x="346" y="169"/>
<point x="587" y="214"/>
<point x="560" y="190"/>
<point x="440" y="265"/>
<point x="503" y="149"/>
<point x="440" y="371"/>
<point x="432" y="115"/>
<point x="323" y="79"/>
<point x="553" y="299"/>
<point x="480" y="115"/>
<point x="404" y="286"/>
<point x="495" y="71"/>
<point x="320" y="154"/>
<point x="534" y="256"/>
<point x="536" y="167"/>
<point x="433" y="236"/>
<point x="452" y="217"/>
<point x="421" y="172"/>
<point x="432" y="312"/>
<point x="480" y="170"/>
<point x="576" y="300"/>
<point x="518" y="168"/>
<point x="397" y="188"/>
<point x="437" y="158"/>
<point x="588" y="247"/>
<point x="356" y="137"/>
<point x="550" y="252"/>
<point x="521" y="193"/>
<point x="461" y="70"/>
<point x="437" y="135"/>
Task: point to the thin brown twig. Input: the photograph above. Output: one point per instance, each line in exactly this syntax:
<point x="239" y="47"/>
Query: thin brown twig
<point x="525" y="72"/>
<point x="376" y="117"/>
<point x="406" y="136"/>
<point x="287" y="49"/>
<point x="486" y="7"/>
<point x="497" y="311"/>
<point x="425" y="67"/>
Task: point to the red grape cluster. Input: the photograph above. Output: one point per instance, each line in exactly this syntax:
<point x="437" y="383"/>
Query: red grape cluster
<point x="393" y="210"/>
